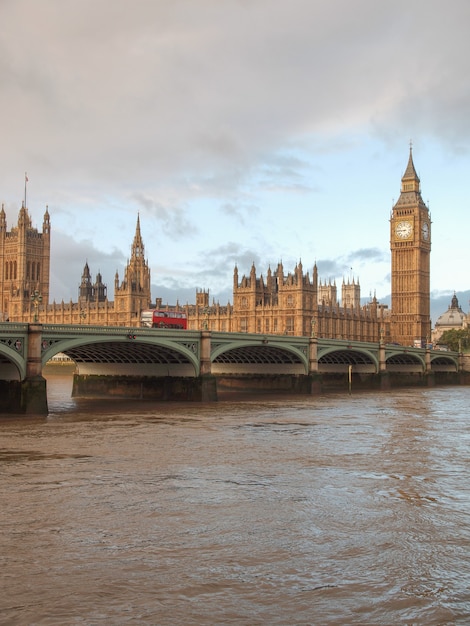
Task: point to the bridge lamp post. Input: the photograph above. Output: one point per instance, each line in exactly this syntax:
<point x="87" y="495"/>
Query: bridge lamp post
<point x="36" y="299"/>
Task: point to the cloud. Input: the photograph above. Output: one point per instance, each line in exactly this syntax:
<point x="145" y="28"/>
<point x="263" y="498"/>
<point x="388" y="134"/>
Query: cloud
<point x="351" y="265"/>
<point x="173" y="85"/>
<point x="171" y="219"/>
<point x="65" y="276"/>
<point x="240" y="212"/>
<point x="368" y="254"/>
<point x="238" y="123"/>
<point x="287" y="172"/>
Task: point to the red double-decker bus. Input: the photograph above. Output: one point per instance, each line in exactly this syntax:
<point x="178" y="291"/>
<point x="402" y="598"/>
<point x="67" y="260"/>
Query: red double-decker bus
<point x="164" y="319"/>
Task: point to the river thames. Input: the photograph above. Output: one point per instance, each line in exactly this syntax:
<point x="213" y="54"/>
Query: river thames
<point x="328" y="510"/>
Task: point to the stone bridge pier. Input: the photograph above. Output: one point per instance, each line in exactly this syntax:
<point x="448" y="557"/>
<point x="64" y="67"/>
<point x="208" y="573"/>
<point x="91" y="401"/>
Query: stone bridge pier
<point x="208" y="381"/>
<point x="26" y="393"/>
<point x="34" y="391"/>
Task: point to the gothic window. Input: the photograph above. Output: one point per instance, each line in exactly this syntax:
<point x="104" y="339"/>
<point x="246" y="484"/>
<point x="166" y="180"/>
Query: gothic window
<point x="290" y="300"/>
<point x="244" y="302"/>
<point x="244" y="325"/>
<point x="290" y="325"/>
<point x="266" y="326"/>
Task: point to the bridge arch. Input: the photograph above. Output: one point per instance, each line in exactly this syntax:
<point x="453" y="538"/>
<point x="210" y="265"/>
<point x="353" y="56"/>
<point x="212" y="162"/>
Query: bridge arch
<point x="148" y="356"/>
<point x="339" y="359"/>
<point x="14" y="340"/>
<point x="444" y="363"/>
<point x="405" y="361"/>
<point x="260" y="356"/>
<point x="12" y="364"/>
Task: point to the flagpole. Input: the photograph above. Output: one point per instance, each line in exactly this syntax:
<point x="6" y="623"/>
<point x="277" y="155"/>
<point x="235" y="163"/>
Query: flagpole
<point x="25" y="181"/>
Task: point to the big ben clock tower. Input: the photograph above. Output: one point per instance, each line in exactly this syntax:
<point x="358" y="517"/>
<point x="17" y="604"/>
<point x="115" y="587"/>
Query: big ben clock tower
<point x="410" y="245"/>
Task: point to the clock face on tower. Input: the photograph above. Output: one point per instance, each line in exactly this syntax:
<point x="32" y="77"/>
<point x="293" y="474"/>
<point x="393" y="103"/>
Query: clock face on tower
<point x="404" y="230"/>
<point x="425" y="231"/>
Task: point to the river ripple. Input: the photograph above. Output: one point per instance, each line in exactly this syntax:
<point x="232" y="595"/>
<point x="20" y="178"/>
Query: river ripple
<point x="323" y="510"/>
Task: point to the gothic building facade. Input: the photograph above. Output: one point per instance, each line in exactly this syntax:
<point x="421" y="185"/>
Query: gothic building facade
<point x="25" y="258"/>
<point x="24" y="265"/>
<point x="292" y="303"/>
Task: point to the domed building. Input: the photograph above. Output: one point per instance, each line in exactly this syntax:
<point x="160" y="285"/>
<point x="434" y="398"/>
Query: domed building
<point x="453" y="319"/>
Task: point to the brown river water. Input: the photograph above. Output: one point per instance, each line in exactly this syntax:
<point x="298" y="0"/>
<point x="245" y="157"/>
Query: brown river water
<point x="338" y="509"/>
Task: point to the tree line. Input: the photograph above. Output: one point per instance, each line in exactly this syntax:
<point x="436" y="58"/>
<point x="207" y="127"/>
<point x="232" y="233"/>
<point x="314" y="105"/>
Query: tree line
<point x="457" y="340"/>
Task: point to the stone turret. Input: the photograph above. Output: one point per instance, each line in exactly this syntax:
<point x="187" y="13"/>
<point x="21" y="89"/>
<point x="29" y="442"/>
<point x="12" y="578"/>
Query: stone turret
<point x="85" y="291"/>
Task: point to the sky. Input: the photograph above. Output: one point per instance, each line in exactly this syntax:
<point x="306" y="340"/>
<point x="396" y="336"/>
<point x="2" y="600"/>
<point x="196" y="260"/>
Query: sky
<point x="240" y="132"/>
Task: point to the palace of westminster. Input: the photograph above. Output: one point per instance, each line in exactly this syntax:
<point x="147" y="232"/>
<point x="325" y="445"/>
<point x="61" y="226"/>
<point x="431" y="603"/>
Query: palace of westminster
<point x="293" y="303"/>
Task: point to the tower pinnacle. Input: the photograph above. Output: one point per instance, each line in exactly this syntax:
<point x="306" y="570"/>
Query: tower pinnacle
<point x="138" y="245"/>
<point x="410" y="180"/>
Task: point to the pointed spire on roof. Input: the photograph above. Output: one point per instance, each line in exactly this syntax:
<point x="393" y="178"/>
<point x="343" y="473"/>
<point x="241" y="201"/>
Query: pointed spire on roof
<point x="46" y="224"/>
<point x="138" y="245"/>
<point x="410" y="171"/>
<point x="410" y="192"/>
<point x="3" y="219"/>
<point x="410" y="180"/>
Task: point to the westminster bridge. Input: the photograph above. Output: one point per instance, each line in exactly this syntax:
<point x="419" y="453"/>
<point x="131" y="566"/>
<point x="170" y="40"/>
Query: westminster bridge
<point x="197" y="365"/>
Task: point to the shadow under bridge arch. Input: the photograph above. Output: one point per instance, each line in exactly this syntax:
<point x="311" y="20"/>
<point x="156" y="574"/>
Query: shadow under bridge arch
<point x="260" y="357"/>
<point x="406" y="362"/>
<point x="133" y="356"/>
<point x="339" y="360"/>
